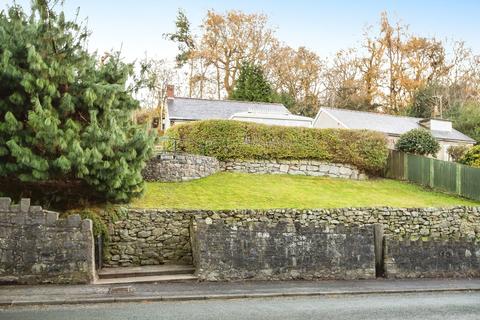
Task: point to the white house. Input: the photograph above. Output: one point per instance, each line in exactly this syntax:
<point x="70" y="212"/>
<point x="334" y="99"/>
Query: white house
<point x="392" y="126"/>
<point x="180" y="109"/>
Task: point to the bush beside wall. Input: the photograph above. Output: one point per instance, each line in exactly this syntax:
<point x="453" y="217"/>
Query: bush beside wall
<point x="227" y="139"/>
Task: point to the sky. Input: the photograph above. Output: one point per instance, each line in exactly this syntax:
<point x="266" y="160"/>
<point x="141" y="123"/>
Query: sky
<point x="322" y="26"/>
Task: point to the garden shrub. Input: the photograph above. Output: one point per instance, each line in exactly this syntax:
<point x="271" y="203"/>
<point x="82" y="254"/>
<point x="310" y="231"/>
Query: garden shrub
<point x="457" y="152"/>
<point x="101" y="216"/>
<point x="99" y="226"/>
<point x="66" y="113"/>
<point x="472" y="157"/>
<point x="418" y="141"/>
<point x="227" y="139"/>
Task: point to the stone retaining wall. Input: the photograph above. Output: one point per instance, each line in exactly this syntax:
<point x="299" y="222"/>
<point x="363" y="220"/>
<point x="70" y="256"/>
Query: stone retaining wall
<point x="162" y="236"/>
<point x="37" y="247"/>
<point x="294" y="167"/>
<point x="184" y="167"/>
<point x="432" y="258"/>
<point x="179" y="167"/>
<point x="150" y="237"/>
<point x="281" y="251"/>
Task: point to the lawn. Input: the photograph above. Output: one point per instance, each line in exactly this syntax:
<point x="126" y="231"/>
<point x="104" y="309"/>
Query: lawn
<point x="235" y="190"/>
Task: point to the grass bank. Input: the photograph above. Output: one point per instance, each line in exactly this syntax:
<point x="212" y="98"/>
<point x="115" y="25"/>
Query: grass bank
<point x="239" y="191"/>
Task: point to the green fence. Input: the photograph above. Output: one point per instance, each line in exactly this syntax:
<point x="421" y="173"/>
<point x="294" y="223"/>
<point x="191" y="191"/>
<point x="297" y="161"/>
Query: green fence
<point x="443" y="175"/>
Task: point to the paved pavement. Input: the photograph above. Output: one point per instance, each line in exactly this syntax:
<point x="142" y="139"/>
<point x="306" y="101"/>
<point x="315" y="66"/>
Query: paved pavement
<point x="424" y="306"/>
<point x="82" y="294"/>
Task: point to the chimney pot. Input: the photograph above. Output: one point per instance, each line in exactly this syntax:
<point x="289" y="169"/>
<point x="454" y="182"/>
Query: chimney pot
<point x="170" y="91"/>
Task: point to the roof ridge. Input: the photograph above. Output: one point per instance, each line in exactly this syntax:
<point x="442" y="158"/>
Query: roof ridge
<point x="228" y="100"/>
<point x="272" y="113"/>
<point x="375" y="113"/>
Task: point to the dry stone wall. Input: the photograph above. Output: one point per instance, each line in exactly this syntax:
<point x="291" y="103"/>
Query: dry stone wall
<point x="281" y="251"/>
<point x="168" y="167"/>
<point x="179" y="167"/>
<point x="37" y="247"/>
<point x="153" y="236"/>
<point x="294" y="167"/>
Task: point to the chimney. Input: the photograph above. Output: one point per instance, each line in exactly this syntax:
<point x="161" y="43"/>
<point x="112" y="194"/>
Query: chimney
<point x="170" y="91"/>
<point x="436" y="124"/>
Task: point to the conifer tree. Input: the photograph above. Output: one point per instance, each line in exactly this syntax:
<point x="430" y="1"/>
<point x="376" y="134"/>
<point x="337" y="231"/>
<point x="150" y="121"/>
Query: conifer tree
<point x="65" y="114"/>
<point x="252" y="85"/>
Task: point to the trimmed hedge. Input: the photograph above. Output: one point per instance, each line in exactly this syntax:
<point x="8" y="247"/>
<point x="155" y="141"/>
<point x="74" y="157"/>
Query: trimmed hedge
<point x="418" y="141"/>
<point x="228" y="139"/>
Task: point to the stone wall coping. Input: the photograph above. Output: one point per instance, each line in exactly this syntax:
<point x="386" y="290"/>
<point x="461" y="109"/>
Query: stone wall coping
<point x="306" y="210"/>
<point x="38" y="215"/>
<point x="180" y="154"/>
<point x="325" y="227"/>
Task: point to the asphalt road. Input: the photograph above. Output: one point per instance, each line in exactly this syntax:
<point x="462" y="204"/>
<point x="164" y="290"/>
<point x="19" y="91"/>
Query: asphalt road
<point x="425" y="306"/>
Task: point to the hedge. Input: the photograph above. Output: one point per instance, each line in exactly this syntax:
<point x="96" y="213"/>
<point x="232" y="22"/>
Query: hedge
<point x="228" y="139"/>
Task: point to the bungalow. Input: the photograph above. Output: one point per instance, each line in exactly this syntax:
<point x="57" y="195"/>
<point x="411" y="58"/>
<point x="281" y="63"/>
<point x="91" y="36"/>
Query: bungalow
<point x="392" y="126"/>
<point x="179" y="109"/>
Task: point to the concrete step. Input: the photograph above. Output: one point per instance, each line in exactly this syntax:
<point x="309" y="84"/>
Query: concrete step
<point x="145" y="279"/>
<point x="145" y="271"/>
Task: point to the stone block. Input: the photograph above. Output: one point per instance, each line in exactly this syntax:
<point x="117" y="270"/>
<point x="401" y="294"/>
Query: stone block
<point x="51" y="217"/>
<point x="87" y="225"/>
<point x="5" y="204"/>
<point x="20" y="218"/>
<point x="35" y="209"/>
<point x="324" y="168"/>
<point x="144" y="234"/>
<point x="345" y="171"/>
<point x="24" y="205"/>
<point x="333" y="170"/>
<point x="74" y="220"/>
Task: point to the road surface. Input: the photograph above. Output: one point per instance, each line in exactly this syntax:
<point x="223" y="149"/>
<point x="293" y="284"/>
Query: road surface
<point x="424" y="306"/>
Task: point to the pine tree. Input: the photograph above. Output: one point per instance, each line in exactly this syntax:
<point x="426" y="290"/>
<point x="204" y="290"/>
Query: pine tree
<point x="65" y="114"/>
<point x="252" y="85"/>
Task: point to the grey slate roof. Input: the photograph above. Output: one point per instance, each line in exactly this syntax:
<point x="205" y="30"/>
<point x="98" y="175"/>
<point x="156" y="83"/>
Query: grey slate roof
<point x="390" y="124"/>
<point x="204" y="109"/>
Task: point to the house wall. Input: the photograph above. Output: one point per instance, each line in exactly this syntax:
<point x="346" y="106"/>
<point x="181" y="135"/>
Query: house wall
<point x="170" y="122"/>
<point x="325" y="121"/>
<point x="442" y="153"/>
<point x="444" y="145"/>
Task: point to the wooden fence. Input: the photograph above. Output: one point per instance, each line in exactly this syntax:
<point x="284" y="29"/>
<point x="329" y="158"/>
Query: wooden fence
<point x="443" y="175"/>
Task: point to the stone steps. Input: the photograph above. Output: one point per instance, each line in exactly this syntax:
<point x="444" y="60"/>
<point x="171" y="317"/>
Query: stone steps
<point x="146" y="274"/>
<point x="145" y="279"/>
